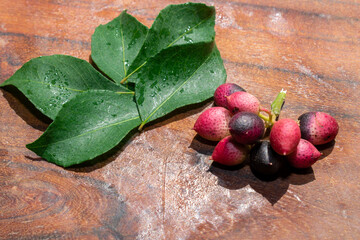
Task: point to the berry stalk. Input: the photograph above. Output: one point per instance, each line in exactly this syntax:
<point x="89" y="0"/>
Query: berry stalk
<point x="278" y="103"/>
<point x="274" y="113"/>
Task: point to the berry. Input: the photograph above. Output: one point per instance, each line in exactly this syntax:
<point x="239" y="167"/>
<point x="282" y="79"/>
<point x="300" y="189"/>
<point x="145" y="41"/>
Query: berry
<point x="246" y="127"/>
<point x="225" y="90"/>
<point x="213" y="123"/>
<point x="318" y="127"/>
<point x="285" y="136"/>
<point x="304" y="155"/>
<point x="264" y="160"/>
<point x="243" y="102"/>
<point x="229" y="152"/>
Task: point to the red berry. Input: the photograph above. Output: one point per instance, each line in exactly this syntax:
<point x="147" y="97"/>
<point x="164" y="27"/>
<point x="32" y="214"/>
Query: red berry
<point x="285" y="136"/>
<point x="246" y="127"/>
<point x="304" y="155"/>
<point x="229" y="152"/>
<point x="318" y="127"/>
<point x="213" y="123"/>
<point x="225" y="90"/>
<point x="243" y="102"/>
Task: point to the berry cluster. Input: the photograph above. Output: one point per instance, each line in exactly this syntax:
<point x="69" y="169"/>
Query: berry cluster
<point x="239" y="124"/>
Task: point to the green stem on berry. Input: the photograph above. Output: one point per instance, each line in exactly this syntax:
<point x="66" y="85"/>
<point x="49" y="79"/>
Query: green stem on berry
<point x="269" y="119"/>
<point x="263" y="117"/>
<point x="276" y="106"/>
<point x="262" y="109"/>
<point x="278" y="103"/>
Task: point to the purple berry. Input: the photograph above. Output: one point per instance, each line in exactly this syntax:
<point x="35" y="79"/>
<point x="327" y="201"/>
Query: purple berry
<point x="318" y="127"/>
<point x="304" y="156"/>
<point x="229" y="152"/>
<point x="225" y="90"/>
<point x="285" y="136"/>
<point x="243" y="102"/>
<point x="246" y="127"/>
<point x="213" y="123"/>
<point x="264" y="160"/>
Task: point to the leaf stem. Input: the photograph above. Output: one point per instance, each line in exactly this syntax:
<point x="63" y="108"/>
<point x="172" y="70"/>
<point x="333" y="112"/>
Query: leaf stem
<point x="141" y="126"/>
<point x="137" y="69"/>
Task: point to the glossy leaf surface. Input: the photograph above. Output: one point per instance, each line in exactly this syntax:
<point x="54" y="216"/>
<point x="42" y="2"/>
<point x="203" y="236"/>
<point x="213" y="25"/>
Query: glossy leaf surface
<point x="115" y="45"/>
<point x="50" y="81"/>
<point x="176" y="77"/>
<point x="87" y="126"/>
<point x="183" y="24"/>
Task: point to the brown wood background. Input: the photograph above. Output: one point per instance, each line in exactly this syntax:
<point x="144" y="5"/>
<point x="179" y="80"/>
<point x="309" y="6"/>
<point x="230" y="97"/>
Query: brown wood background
<point x="160" y="184"/>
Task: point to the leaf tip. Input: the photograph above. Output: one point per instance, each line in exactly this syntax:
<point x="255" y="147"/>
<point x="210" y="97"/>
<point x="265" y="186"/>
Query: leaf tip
<point x="29" y="146"/>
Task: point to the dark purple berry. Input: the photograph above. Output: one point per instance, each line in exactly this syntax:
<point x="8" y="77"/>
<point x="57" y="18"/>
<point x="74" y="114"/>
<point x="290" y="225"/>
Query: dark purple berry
<point x="264" y="160"/>
<point x="246" y="127"/>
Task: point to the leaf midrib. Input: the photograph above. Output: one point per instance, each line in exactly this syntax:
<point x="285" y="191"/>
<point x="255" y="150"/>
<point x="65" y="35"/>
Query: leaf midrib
<point x="88" y="132"/>
<point x="171" y="95"/>
<point x="123" y="46"/>
<point x="67" y="88"/>
<point x="172" y="43"/>
<point x="192" y="28"/>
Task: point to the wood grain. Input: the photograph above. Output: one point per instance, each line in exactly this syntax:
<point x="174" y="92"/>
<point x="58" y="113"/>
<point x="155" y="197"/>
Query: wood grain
<point x="160" y="184"/>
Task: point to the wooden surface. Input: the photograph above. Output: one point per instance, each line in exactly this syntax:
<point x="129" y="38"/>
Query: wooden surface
<point x="159" y="184"/>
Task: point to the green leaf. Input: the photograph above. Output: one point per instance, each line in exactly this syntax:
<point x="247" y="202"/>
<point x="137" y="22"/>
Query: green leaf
<point x="115" y="45"/>
<point x="88" y="125"/>
<point x="176" y="77"/>
<point x="48" y="82"/>
<point x="173" y="64"/>
<point x="176" y="25"/>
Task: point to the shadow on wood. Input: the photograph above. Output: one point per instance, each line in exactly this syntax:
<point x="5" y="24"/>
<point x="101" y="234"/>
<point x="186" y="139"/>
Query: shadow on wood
<point x="178" y="114"/>
<point x="105" y="158"/>
<point x="25" y="109"/>
<point x="326" y="149"/>
<point x="271" y="188"/>
<point x="202" y="145"/>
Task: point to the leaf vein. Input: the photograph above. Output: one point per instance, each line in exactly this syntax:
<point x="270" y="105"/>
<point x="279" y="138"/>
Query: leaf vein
<point x="190" y="29"/>
<point x="48" y="84"/>
<point x="89" y="132"/>
<point x="123" y="48"/>
<point x="172" y="43"/>
<point x="171" y="95"/>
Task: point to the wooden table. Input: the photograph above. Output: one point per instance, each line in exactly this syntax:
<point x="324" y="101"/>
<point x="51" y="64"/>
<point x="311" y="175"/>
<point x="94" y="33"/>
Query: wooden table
<point x="159" y="184"/>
